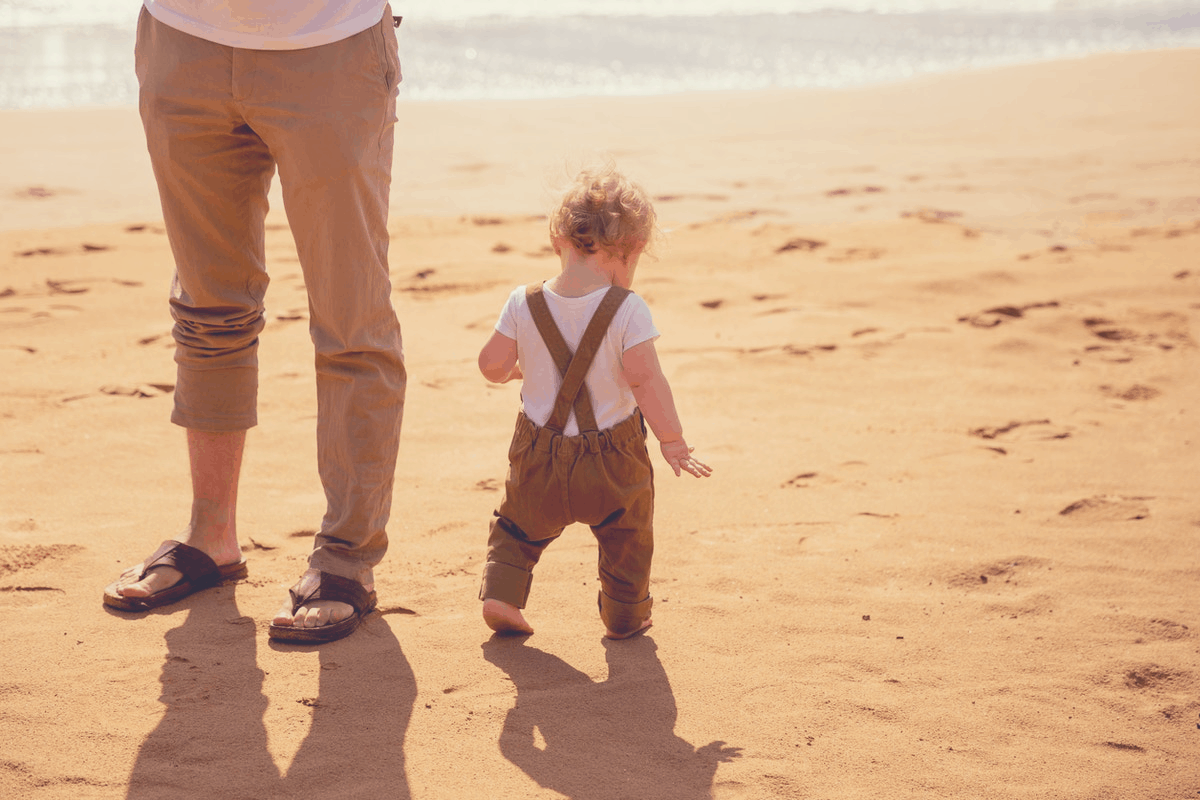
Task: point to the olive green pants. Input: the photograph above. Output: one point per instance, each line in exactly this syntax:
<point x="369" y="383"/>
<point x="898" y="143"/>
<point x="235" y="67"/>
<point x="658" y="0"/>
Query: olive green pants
<point x="602" y="479"/>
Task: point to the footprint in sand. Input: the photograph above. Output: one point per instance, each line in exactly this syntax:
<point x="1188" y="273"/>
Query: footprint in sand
<point x="732" y="217"/>
<point x="34" y="193"/>
<point x="142" y="228"/>
<point x="50" y="311"/>
<point x="801" y="481"/>
<point x="931" y="215"/>
<point x="1162" y="330"/>
<point x="1106" y="508"/>
<point x="432" y="290"/>
<point x="21" y="557"/>
<point x="1037" y="430"/>
<point x="1135" y="393"/>
<point x="670" y="198"/>
<point x="1008" y="570"/>
<point x="1159" y="630"/>
<point x="811" y="478"/>
<point x="998" y="315"/>
<point x="64" y="287"/>
<point x="85" y="247"/>
<point x="140" y="390"/>
<point x="1154" y="676"/>
<point x="788" y="349"/>
<point x="850" y="191"/>
<point x="851" y="254"/>
<point x="162" y="338"/>
<point x="800" y="244"/>
<point x="1138" y="334"/>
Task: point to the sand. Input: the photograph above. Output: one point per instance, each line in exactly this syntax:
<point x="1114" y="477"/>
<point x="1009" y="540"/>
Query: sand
<point x="936" y="340"/>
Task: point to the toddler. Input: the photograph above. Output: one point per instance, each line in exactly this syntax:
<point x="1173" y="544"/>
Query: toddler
<point x="583" y="345"/>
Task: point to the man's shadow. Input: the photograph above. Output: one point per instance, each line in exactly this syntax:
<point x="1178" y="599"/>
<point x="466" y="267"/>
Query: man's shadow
<point x="212" y="739"/>
<point x="601" y="740"/>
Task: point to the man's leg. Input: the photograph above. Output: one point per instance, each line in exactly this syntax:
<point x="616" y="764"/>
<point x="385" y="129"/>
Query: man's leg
<point x="216" y="462"/>
<point x="335" y="161"/>
<point x="213" y="173"/>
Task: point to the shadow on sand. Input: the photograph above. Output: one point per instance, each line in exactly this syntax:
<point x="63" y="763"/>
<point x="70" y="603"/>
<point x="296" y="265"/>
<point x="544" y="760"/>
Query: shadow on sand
<point x="601" y="740"/>
<point x="212" y="740"/>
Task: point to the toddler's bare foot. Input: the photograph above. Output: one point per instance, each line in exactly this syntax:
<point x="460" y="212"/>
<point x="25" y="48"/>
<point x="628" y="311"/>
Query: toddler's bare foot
<point x="611" y="635"/>
<point x="504" y="617"/>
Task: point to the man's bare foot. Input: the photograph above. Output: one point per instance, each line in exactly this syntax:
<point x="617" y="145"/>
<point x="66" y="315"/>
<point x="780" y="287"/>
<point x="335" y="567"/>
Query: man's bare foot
<point x="315" y="613"/>
<point x="504" y="617"/>
<point x="215" y="460"/>
<point x="160" y="578"/>
<point x="611" y="635"/>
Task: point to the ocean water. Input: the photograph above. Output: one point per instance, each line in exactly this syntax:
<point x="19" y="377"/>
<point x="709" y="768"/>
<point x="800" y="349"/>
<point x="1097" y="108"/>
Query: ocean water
<point x="64" y="53"/>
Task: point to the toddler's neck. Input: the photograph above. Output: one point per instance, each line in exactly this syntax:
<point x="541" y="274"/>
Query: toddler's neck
<point x="565" y="285"/>
<point x="584" y="273"/>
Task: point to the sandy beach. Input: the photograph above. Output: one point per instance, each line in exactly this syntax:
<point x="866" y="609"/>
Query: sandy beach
<point x="935" y="339"/>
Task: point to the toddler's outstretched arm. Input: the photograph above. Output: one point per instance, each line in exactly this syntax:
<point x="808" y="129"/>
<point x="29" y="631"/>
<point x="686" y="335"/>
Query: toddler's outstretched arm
<point x="653" y="394"/>
<point x="498" y="359"/>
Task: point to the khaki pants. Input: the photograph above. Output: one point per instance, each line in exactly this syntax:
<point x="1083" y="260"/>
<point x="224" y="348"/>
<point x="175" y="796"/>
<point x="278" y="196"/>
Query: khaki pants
<point x="601" y="479"/>
<point x="219" y="121"/>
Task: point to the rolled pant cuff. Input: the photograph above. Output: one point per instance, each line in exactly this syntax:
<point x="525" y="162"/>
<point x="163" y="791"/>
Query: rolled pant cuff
<point x="506" y="583"/>
<point x="216" y="401"/>
<point x="623" y="617"/>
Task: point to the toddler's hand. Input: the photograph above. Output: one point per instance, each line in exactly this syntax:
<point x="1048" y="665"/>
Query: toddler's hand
<point x="679" y="456"/>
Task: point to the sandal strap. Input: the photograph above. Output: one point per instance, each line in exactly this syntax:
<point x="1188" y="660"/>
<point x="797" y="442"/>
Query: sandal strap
<point x="198" y="569"/>
<point x="317" y="585"/>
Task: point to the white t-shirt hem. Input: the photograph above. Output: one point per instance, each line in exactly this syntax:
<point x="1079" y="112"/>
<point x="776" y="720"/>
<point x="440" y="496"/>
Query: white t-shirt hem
<point x="291" y="40"/>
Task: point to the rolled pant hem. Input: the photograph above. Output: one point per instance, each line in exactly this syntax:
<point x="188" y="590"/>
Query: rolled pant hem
<point x="506" y="583"/>
<point x="213" y="425"/>
<point x="623" y="617"/>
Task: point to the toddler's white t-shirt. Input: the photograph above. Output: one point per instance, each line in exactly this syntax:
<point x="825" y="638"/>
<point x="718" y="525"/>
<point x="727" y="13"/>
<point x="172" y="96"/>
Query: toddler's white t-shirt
<point x="612" y="399"/>
<point x="269" y="24"/>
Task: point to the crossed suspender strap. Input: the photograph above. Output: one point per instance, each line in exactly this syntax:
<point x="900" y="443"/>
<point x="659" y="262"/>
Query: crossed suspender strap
<point x="573" y="367"/>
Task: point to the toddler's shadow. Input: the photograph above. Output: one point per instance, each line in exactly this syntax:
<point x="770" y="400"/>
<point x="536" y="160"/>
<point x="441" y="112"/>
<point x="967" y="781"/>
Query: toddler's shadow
<point x="598" y="740"/>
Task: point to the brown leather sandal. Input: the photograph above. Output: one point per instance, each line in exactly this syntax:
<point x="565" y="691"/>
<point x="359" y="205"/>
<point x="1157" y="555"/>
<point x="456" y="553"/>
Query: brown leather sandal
<point x="199" y="572"/>
<point x="317" y="585"/>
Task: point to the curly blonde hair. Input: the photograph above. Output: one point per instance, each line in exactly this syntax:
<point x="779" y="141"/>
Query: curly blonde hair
<point x="604" y="210"/>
